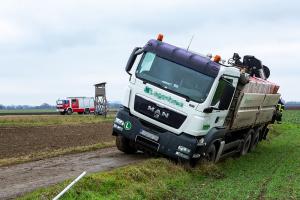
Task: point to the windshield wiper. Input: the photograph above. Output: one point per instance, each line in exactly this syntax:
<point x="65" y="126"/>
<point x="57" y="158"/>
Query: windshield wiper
<point x="153" y="83"/>
<point x="187" y="98"/>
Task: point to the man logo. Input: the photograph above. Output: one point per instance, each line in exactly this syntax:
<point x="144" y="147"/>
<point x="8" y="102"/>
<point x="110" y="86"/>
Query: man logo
<point x="165" y="114"/>
<point x="151" y="108"/>
<point x="157" y="113"/>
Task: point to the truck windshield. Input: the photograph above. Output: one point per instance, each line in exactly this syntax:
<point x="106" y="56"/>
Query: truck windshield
<point x="61" y="102"/>
<point x="173" y="77"/>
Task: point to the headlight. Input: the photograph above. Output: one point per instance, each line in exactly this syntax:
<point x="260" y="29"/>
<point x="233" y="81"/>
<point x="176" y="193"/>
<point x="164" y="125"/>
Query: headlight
<point x="182" y="155"/>
<point x="184" y="149"/>
<point x="119" y="122"/>
<point x="120" y="128"/>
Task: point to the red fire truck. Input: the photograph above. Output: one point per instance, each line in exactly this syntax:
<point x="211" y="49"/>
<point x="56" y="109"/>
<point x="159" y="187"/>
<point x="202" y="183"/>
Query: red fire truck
<point x="80" y="105"/>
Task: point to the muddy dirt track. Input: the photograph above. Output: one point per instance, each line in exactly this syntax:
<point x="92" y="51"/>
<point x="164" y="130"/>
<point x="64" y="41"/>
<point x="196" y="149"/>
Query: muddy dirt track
<point x="18" y="179"/>
<point x="18" y="141"/>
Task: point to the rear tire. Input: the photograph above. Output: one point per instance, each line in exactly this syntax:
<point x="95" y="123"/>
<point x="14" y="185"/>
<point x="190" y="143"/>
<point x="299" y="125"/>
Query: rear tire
<point x="246" y="144"/>
<point x="255" y="140"/>
<point x="87" y="111"/>
<point x="123" y="145"/>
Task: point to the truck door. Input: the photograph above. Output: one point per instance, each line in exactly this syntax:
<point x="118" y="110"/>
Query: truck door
<point x="66" y="104"/>
<point x="75" y="103"/>
<point x="219" y="114"/>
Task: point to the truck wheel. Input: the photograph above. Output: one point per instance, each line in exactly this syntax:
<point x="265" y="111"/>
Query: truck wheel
<point x="246" y="145"/>
<point x="69" y="111"/>
<point x="87" y="111"/>
<point x="187" y="164"/>
<point x="123" y="145"/>
<point x="255" y="140"/>
<point x="193" y="162"/>
<point x="211" y="153"/>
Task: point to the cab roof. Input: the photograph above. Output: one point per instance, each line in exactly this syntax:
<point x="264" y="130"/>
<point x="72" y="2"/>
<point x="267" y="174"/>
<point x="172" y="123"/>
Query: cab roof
<point x="183" y="57"/>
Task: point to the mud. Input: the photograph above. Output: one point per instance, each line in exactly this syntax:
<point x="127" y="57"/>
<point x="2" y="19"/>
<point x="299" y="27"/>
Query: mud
<point x="18" y="179"/>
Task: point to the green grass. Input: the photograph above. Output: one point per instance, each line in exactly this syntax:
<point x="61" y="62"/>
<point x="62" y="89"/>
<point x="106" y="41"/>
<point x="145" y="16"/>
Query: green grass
<point x="28" y="111"/>
<point x="272" y="171"/>
<point x="40" y="120"/>
<point x="291" y="116"/>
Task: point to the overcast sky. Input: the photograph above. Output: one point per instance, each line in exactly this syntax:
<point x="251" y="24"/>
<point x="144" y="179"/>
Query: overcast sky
<point x="51" y="49"/>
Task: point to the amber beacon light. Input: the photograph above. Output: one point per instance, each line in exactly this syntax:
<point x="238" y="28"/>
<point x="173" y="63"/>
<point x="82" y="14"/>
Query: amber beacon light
<point x="160" y="37"/>
<point x="217" y="58"/>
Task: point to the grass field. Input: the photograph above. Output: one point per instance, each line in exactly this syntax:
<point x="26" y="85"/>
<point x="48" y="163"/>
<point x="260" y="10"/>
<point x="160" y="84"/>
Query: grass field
<point x="27" y="111"/>
<point x="46" y="120"/>
<point x="272" y="171"/>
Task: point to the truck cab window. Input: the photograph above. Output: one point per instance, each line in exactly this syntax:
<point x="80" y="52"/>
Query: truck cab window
<point x="219" y="91"/>
<point x="147" y="62"/>
<point x="73" y="100"/>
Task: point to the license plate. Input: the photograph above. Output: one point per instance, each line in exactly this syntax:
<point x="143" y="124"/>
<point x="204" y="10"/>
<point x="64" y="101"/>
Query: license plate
<point x="149" y="135"/>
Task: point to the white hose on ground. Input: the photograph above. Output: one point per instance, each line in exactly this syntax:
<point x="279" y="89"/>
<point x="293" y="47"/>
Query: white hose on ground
<point x="69" y="186"/>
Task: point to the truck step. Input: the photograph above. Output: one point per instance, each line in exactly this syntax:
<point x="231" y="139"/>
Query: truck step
<point x="229" y="154"/>
<point x="232" y="146"/>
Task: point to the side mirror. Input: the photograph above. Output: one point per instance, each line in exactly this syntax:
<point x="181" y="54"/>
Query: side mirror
<point x="208" y="110"/>
<point x="226" y="97"/>
<point x="136" y="51"/>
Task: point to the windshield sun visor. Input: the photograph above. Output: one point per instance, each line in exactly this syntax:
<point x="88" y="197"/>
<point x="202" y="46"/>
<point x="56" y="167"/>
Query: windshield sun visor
<point x="181" y="56"/>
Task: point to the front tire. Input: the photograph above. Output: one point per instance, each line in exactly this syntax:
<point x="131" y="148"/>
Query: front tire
<point x="69" y="111"/>
<point x="123" y="145"/>
<point x="211" y="153"/>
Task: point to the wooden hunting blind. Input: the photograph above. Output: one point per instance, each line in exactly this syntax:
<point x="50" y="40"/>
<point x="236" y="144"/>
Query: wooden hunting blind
<point x="100" y="99"/>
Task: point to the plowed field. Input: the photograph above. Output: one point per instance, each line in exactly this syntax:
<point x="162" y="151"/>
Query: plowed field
<point x="20" y="141"/>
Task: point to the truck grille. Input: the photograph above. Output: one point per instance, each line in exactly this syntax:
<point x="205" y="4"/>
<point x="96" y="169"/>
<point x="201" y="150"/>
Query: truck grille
<point x="147" y="143"/>
<point x="163" y="115"/>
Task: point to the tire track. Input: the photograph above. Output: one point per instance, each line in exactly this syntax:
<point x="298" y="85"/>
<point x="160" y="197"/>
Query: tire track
<point x="19" y="179"/>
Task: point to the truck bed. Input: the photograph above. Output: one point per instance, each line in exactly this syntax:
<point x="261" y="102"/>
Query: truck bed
<point x="254" y="109"/>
